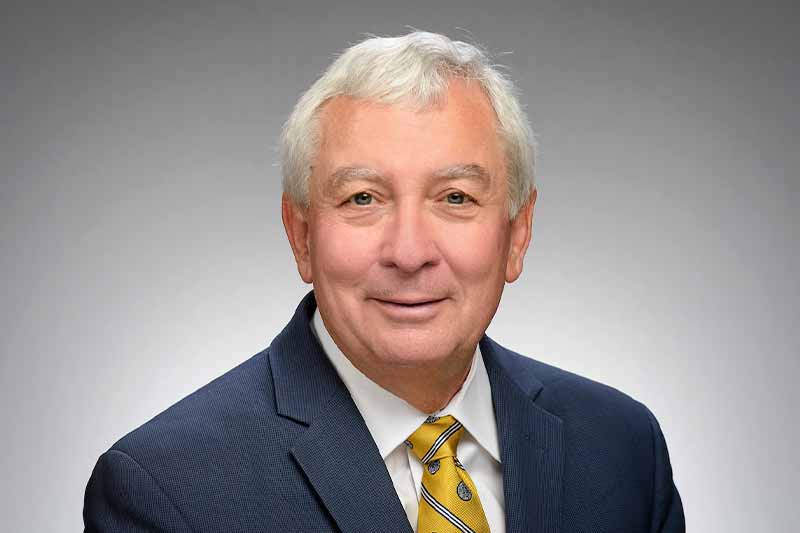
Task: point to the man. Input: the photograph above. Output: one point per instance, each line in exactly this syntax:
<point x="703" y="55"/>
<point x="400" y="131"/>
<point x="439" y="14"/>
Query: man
<point x="383" y="406"/>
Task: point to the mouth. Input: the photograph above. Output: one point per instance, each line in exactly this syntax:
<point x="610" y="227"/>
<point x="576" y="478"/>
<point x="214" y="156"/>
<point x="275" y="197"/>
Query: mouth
<point x="414" y="302"/>
<point x="409" y="309"/>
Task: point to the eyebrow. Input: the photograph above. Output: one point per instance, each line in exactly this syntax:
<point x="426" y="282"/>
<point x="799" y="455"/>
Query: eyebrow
<point x="472" y="171"/>
<point x="344" y="174"/>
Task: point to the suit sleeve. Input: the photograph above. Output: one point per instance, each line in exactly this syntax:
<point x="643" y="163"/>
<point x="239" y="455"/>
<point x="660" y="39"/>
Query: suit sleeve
<point x="667" y="507"/>
<point x="123" y="497"/>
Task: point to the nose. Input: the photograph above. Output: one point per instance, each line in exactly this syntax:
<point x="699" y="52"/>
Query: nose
<point x="409" y="243"/>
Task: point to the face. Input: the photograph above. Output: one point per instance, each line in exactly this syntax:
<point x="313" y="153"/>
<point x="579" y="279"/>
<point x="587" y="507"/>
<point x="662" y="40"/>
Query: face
<point x="407" y="238"/>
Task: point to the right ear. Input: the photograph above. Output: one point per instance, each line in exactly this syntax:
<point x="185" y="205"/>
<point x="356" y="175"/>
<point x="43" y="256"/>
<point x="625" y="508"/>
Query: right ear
<point x="295" y="222"/>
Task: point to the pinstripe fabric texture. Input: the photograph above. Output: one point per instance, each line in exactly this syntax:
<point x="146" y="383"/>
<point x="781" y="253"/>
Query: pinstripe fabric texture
<point x="449" y="500"/>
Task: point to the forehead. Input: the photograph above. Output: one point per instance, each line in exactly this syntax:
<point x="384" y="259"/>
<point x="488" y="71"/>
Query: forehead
<point x="408" y="140"/>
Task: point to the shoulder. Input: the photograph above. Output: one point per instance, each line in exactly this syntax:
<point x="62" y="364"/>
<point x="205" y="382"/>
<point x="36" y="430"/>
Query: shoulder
<point x="615" y="460"/>
<point x="220" y="456"/>
<point x="583" y="405"/>
<point x="207" y="414"/>
<point x="206" y="438"/>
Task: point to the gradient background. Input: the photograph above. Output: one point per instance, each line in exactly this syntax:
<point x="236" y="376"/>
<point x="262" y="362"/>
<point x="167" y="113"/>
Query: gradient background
<point x="142" y="253"/>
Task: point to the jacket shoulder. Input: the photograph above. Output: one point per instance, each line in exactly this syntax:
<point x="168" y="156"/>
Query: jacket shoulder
<point x="205" y="415"/>
<point x="616" y="465"/>
<point x="574" y="398"/>
<point x="218" y="460"/>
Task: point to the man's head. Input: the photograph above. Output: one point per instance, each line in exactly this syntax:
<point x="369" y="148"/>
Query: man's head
<point x="414" y="69"/>
<point x="408" y="172"/>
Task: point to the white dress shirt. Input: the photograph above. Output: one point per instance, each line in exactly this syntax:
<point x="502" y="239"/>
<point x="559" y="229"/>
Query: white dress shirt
<point x="391" y="420"/>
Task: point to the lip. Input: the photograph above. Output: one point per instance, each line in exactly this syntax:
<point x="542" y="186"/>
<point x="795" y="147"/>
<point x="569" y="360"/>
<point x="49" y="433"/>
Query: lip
<point x="409" y="309"/>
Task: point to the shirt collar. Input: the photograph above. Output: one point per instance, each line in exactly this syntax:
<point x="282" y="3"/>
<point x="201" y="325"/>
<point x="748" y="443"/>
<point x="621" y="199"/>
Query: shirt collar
<point x="391" y="419"/>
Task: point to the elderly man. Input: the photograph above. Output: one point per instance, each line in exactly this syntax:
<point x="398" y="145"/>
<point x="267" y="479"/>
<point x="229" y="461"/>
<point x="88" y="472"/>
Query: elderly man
<point x="383" y="406"/>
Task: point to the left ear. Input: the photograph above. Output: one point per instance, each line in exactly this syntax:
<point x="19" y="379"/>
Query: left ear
<point x="520" y="238"/>
<point x="295" y="222"/>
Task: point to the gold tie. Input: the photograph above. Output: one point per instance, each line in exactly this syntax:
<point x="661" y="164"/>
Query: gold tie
<point x="449" y="502"/>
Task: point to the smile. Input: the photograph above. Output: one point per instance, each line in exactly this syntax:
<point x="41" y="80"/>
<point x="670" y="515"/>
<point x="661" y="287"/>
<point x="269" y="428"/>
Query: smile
<point x="412" y="310"/>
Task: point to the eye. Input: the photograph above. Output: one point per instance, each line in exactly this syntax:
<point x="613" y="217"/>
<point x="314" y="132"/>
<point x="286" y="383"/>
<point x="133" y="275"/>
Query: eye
<point x="361" y="198"/>
<point x="456" y="198"/>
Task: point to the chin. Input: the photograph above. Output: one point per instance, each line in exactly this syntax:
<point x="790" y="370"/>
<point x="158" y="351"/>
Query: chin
<point x="415" y="349"/>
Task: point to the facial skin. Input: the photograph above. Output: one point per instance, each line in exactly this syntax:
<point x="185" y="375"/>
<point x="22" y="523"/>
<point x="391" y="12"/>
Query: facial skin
<point x="407" y="238"/>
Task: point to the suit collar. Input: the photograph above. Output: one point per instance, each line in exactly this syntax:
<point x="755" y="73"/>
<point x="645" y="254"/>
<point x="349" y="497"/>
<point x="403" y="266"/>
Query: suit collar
<point x="531" y="444"/>
<point x="336" y="451"/>
<point x="303" y="376"/>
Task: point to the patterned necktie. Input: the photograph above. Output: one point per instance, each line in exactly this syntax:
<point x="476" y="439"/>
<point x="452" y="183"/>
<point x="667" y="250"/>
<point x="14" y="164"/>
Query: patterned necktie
<point x="449" y="502"/>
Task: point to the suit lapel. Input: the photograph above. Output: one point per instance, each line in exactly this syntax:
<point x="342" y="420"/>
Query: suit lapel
<point x="531" y="445"/>
<point x="336" y="451"/>
<point x="342" y="462"/>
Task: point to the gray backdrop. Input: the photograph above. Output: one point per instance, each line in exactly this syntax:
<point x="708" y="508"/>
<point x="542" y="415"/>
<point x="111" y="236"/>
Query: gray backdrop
<point x="142" y="253"/>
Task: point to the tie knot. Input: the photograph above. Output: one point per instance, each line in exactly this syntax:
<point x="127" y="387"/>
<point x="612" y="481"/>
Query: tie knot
<point x="437" y="437"/>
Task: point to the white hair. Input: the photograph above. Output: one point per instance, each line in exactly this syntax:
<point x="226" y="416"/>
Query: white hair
<point x="413" y="68"/>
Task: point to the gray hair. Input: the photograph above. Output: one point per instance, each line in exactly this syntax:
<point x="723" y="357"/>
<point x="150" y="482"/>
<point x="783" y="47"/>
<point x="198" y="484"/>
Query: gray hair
<point x="411" y="68"/>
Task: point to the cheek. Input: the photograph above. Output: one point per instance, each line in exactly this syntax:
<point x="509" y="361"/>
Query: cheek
<point x="477" y="254"/>
<point x="341" y="254"/>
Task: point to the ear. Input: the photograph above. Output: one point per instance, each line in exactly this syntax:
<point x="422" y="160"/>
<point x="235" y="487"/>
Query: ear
<point x="295" y="222"/>
<point x="520" y="238"/>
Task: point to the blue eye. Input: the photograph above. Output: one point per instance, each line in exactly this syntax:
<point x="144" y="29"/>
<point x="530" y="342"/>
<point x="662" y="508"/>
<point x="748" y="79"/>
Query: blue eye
<point x="362" y="198"/>
<point x="456" y="198"/>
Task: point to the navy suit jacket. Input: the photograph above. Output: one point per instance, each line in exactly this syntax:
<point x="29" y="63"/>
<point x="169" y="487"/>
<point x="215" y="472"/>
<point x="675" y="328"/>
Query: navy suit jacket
<point x="277" y="444"/>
